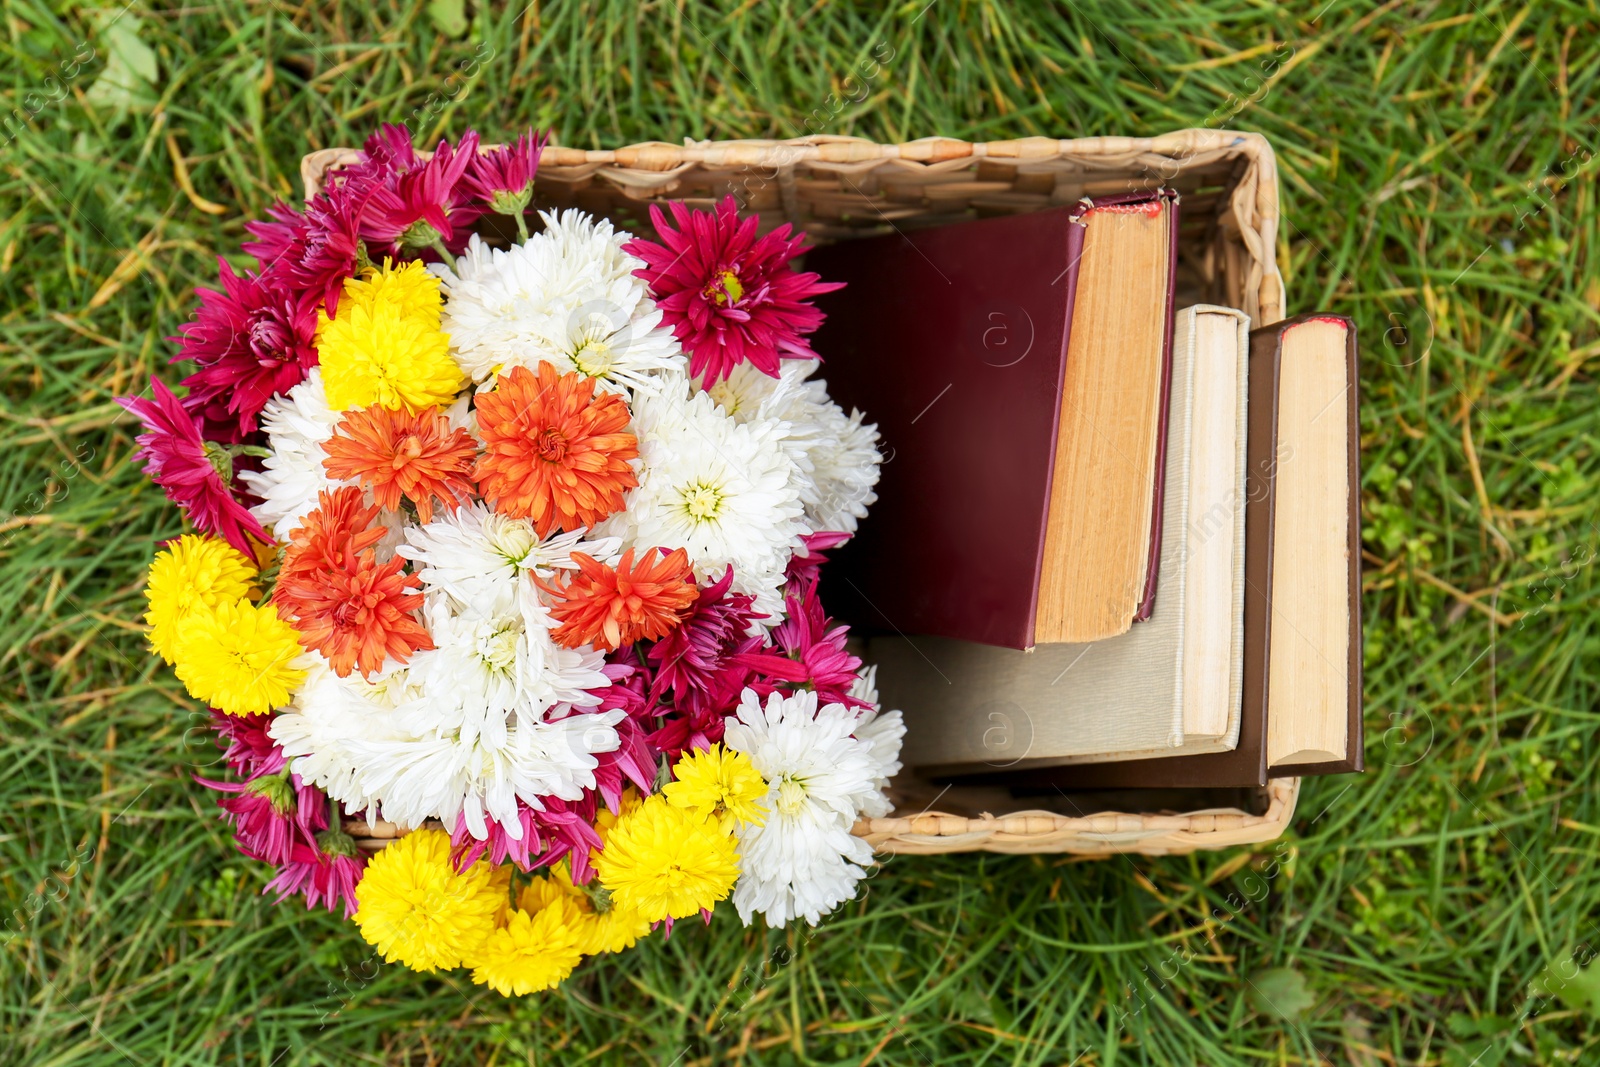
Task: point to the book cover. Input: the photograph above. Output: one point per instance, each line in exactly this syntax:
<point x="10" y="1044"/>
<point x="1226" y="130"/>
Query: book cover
<point x="955" y="340"/>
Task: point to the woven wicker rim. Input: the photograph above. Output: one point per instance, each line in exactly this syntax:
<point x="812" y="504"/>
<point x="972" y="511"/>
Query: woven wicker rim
<point x="949" y="174"/>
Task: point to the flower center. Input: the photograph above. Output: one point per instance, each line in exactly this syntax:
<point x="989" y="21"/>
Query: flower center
<point x="498" y="650"/>
<point x="552" y="445"/>
<point x="702" y="502"/>
<point x="408" y="450"/>
<point x="791" y="795"/>
<point x="724" y="289"/>
<point x="593" y="357"/>
<point x="268" y="342"/>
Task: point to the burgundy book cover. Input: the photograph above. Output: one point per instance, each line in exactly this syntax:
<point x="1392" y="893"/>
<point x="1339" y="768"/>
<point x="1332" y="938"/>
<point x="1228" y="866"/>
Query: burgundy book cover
<point x="954" y="341"/>
<point x="1245" y="765"/>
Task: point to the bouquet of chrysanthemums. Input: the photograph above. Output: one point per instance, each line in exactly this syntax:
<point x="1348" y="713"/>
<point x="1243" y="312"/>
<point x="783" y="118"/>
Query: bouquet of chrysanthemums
<point x="516" y="549"/>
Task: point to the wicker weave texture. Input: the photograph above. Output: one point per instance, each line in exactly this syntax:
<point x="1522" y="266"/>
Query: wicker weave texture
<point x="834" y="188"/>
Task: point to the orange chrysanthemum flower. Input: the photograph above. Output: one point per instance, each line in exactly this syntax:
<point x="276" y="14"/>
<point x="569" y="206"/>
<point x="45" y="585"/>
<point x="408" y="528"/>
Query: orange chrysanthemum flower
<point x="360" y="614"/>
<point x="342" y="521"/>
<point x="553" y="451"/>
<point x="608" y="607"/>
<point x="400" y="452"/>
<point x="347" y="605"/>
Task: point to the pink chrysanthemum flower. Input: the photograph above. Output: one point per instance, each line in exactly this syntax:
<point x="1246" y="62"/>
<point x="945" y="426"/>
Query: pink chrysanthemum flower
<point x="253" y="339"/>
<point x="729" y="295"/>
<point x="270" y="813"/>
<point x="502" y="178"/>
<point x="807" y="653"/>
<point x="689" y="655"/>
<point x="195" y="474"/>
<point x="325" y="872"/>
<point x="249" y="750"/>
<point x="427" y="206"/>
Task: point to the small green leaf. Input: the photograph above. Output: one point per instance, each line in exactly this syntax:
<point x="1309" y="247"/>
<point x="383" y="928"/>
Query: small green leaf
<point x="1580" y="993"/>
<point x="1279" y="992"/>
<point x="449" y="15"/>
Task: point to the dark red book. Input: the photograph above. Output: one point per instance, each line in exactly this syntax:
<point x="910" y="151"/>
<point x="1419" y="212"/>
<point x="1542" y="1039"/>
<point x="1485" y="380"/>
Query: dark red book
<point x="1018" y="369"/>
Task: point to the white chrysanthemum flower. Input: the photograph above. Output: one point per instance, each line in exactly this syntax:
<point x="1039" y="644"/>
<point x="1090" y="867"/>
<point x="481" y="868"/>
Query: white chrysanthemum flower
<point x="729" y="494"/>
<point x="836" y="453"/>
<point x="803" y="860"/>
<point x="479" y="558"/>
<point x="567" y="295"/>
<point x="437" y="775"/>
<point x="298" y="425"/>
<point x="486" y="672"/>
<point x="607" y="339"/>
<point x="327" y="716"/>
<point x="882" y="731"/>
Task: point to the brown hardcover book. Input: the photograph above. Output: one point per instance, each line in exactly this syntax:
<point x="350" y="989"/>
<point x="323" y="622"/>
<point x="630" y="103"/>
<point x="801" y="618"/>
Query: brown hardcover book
<point x="1302" y="608"/>
<point x="1018" y="369"/>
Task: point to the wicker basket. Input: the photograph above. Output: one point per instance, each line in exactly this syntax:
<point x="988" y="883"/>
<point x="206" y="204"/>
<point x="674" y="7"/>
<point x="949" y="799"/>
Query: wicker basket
<point x="835" y="188"/>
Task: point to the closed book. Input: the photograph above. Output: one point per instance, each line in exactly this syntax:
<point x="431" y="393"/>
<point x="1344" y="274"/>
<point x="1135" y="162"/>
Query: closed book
<point x="1301" y="709"/>
<point x="1017" y="370"/>
<point x="1170" y="685"/>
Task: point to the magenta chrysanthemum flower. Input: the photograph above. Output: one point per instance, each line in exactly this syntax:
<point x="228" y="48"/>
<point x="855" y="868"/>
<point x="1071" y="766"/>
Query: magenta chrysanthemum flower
<point x="428" y="206"/>
<point x="565" y="828"/>
<point x="689" y="655"/>
<point x="253" y="339"/>
<point x="805" y="566"/>
<point x="196" y="475"/>
<point x="502" y="178"/>
<point x="325" y="872"/>
<point x="270" y="813"/>
<point x="729" y="295"/>
<point x="246" y="746"/>
<point x="807" y="653"/>
<point x="316" y="250"/>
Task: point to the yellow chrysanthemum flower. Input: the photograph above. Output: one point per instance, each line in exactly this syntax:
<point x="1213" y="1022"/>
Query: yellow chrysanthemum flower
<point x="720" y="784"/>
<point x="385" y="348"/>
<point x="556" y="885"/>
<point x="411" y="287"/>
<point x="192" y="572"/>
<point x="415" y="908"/>
<point x="238" y="657"/>
<point x="612" y="930"/>
<point x="667" y="862"/>
<point x="531" y="952"/>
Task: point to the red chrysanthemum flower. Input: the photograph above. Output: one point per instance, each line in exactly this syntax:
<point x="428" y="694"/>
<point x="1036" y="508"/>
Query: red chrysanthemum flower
<point x="359" y="614"/>
<point x="341" y="523"/>
<point x="426" y="206"/>
<point x="553" y="451"/>
<point x="399" y="453"/>
<point x="686" y="659"/>
<point x="253" y="339"/>
<point x="316" y="250"/>
<point x="612" y="606"/>
<point x="729" y="295"/>
<point x="196" y="475"/>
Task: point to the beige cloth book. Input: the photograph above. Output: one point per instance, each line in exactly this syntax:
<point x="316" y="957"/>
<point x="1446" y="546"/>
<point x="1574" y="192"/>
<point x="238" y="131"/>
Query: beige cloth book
<point x="1169" y="686"/>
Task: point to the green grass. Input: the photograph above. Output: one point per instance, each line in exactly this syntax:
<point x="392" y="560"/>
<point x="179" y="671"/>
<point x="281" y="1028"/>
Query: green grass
<point x="1437" y="187"/>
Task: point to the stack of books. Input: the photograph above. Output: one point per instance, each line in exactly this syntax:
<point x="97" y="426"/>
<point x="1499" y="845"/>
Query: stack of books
<point x="1116" y="546"/>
